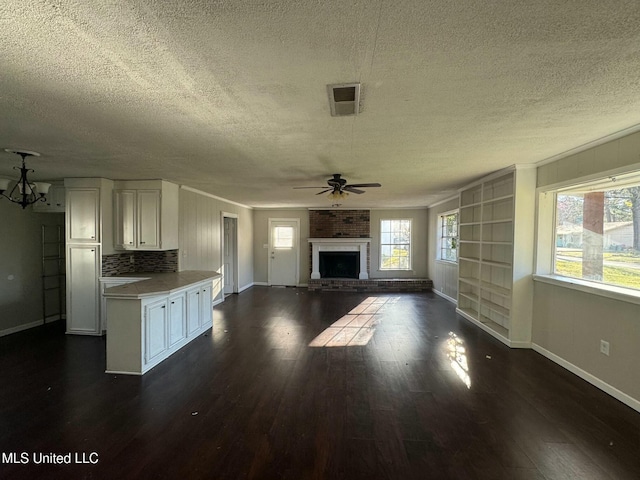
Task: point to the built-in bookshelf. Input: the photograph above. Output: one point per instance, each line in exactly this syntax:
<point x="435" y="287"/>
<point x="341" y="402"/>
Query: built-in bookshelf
<point x="495" y="257"/>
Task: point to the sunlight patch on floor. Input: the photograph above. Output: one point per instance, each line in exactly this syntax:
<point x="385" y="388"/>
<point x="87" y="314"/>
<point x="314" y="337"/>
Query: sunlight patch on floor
<point x="458" y="356"/>
<point x="355" y="328"/>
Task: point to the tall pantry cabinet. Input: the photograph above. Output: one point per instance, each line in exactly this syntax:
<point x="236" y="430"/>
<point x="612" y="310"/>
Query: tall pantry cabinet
<point x="89" y="234"/>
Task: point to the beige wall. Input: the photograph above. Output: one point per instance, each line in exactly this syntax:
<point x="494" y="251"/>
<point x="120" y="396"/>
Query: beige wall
<point x="261" y="238"/>
<point x="21" y="257"/>
<point x="570" y="324"/>
<point x="200" y="234"/>
<point x="443" y="274"/>
<point x="419" y="242"/>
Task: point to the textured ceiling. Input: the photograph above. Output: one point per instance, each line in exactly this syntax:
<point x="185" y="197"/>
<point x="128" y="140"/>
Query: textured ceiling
<point x="230" y="97"/>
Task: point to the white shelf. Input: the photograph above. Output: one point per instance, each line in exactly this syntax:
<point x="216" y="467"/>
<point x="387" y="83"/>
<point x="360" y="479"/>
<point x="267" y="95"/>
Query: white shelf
<point x="469" y="281"/>
<point x="469" y="259"/>
<point x="496" y="308"/>
<point x="495" y="289"/>
<point x="496" y="264"/>
<point x="506" y="200"/>
<point x="501" y="220"/>
<point x="497" y="199"/>
<point x="471" y="296"/>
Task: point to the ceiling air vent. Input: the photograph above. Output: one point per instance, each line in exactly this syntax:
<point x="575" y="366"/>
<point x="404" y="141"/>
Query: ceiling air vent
<point x="344" y="99"/>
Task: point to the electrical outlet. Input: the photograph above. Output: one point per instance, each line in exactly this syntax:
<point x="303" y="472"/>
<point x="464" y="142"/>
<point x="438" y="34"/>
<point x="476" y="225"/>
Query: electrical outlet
<point x="604" y="347"/>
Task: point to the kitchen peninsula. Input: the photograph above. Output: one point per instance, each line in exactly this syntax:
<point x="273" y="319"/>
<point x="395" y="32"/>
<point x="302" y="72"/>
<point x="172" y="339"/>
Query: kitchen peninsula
<point x="154" y="317"/>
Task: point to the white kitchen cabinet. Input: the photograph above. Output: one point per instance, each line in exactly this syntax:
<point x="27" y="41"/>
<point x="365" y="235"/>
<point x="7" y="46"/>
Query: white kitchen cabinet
<point x="155" y="330"/>
<point x="146" y="215"/>
<point x="54" y="200"/>
<point x="146" y="325"/>
<point x="83" y="215"/>
<point x="83" y="267"/>
<point x="88" y="204"/>
<point x="177" y="318"/>
<point x="193" y="310"/>
<point x="125" y="219"/>
<point x="205" y="304"/>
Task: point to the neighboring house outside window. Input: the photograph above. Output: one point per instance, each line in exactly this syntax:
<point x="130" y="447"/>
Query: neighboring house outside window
<point x="395" y="244"/>
<point x="448" y="236"/>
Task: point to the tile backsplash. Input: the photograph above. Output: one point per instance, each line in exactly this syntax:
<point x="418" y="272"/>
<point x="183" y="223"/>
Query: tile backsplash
<point x="138" y="261"/>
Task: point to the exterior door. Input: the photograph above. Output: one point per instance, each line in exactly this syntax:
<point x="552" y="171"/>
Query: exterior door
<point x="283" y="251"/>
<point x="229" y="255"/>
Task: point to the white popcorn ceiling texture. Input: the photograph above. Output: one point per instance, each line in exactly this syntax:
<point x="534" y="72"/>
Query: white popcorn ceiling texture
<point x="230" y="97"/>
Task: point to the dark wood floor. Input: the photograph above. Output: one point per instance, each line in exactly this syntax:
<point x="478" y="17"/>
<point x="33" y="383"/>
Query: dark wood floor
<point x="419" y="393"/>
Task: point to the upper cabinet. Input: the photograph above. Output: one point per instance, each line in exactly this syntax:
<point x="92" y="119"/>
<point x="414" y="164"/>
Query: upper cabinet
<point x="54" y="200"/>
<point x="83" y="215"/>
<point x="146" y="215"/>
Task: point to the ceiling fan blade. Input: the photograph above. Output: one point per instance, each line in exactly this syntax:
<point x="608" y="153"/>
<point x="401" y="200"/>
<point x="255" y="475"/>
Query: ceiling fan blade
<point x="297" y="188"/>
<point x="350" y="188"/>
<point x="324" y="191"/>
<point x="365" y="185"/>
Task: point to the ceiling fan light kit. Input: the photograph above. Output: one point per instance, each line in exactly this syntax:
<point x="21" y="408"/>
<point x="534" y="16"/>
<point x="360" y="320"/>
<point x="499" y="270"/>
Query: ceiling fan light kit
<point x="339" y="188"/>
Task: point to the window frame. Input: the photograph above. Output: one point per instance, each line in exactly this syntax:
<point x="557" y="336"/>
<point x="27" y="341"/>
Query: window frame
<point x="546" y="230"/>
<point x="380" y="245"/>
<point x="440" y="237"/>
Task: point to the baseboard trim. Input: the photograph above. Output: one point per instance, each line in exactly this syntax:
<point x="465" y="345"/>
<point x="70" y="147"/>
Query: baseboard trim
<point x="593" y="380"/>
<point x="303" y="285"/>
<point x="242" y="289"/>
<point x="446" y="297"/>
<point x="260" y="284"/>
<point x="217" y="302"/>
<point x="117" y="372"/>
<point x="20" y="328"/>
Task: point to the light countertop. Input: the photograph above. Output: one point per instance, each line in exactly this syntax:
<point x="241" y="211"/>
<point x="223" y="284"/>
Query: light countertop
<point x="151" y="284"/>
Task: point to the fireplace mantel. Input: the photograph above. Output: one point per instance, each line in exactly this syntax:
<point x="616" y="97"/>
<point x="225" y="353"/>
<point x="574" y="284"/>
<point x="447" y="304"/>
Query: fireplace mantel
<point x="339" y="245"/>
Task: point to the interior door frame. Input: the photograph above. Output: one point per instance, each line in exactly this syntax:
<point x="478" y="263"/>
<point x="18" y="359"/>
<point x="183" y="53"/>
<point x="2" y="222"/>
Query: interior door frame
<point x="236" y="257"/>
<point x="297" y="244"/>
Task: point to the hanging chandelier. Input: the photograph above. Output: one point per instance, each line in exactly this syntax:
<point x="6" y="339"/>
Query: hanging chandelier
<point x="24" y="192"/>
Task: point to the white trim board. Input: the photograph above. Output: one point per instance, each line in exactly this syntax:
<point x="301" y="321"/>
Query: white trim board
<point x="27" y="326"/>
<point x="595" y="381"/>
<point x="446" y="297"/>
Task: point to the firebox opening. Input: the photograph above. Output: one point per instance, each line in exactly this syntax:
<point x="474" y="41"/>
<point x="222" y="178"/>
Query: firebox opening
<point x="339" y="264"/>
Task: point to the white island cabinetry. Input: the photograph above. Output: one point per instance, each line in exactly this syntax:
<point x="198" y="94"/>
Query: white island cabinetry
<point x="148" y="324"/>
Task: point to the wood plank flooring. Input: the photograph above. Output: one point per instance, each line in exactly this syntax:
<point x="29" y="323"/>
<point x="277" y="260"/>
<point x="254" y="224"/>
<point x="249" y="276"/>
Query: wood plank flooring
<point x="411" y="391"/>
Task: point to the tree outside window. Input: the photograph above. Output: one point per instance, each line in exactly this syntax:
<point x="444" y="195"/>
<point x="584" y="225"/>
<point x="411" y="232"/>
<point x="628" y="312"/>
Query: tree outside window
<point x="598" y="233"/>
<point x="395" y="244"/>
<point x="448" y="237"/>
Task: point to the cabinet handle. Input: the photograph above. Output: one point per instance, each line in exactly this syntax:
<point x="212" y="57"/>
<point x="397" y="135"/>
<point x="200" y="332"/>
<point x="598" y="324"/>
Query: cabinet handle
<point x="197" y="293"/>
<point x="142" y="243"/>
<point x="164" y="306"/>
<point x="173" y="303"/>
<point x="130" y="243"/>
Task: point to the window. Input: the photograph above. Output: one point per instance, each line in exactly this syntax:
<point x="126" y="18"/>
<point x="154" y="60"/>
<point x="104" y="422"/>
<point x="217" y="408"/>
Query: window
<point x="395" y="244"/>
<point x="448" y="237"/>
<point x="283" y="237"/>
<point x="597" y="232"/>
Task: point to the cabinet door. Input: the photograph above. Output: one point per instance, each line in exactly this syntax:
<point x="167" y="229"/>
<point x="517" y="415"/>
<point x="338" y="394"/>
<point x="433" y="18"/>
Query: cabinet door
<point x="177" y="317"/>
<point x="83" y="219"/>
<point x="83" y="270"/>
<point x="155" y="320"/>
<point x="125" y="219"/>
<point x="205" y="305"/>
<point x="148" y="219"/>
<point x="193" y="310"/>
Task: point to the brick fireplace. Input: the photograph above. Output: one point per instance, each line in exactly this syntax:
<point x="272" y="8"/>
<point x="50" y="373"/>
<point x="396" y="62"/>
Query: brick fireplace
<point x="336" y="232"/>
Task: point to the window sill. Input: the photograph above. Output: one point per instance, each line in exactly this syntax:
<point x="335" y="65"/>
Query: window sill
<point x="446" y="262"/>
<point x="608" y="291"/>
<point x="395" y="270"/>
